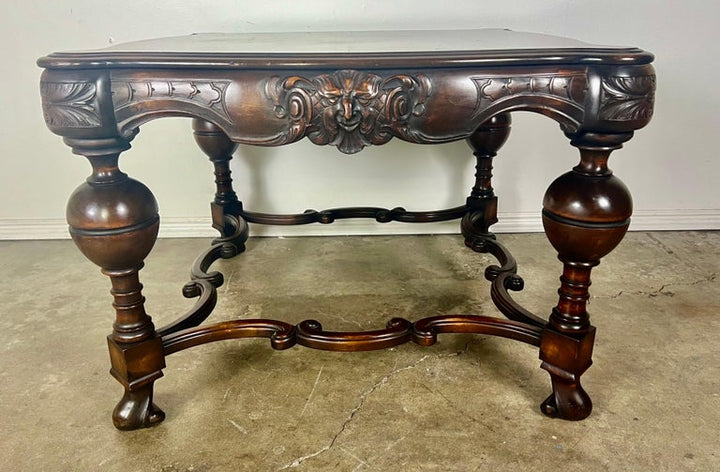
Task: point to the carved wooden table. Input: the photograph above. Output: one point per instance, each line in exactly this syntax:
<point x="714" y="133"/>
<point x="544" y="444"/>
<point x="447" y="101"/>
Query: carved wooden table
<point x="349" y="90"/>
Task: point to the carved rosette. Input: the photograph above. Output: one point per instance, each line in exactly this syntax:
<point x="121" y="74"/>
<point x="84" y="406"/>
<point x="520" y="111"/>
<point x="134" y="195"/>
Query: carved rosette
<point x="627" y="98"/>
<point x="570" y="89"/>
<point x="70" y="104"/>
<point x="128" y="93"/>
<point x="348" y="109"/>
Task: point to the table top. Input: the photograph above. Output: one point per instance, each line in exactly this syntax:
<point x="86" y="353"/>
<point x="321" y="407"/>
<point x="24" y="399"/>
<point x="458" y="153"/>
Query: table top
<point x="435" y="48"/>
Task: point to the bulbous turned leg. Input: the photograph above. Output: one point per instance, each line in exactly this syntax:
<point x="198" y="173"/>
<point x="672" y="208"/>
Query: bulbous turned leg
<point x="226" y="208"/>
<point x="114" y="222"/>
<point x="485" y="141"/>
<point x="586" y="213"/>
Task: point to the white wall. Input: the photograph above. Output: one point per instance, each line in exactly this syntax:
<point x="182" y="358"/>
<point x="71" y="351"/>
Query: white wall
<point x="670" y="166"/>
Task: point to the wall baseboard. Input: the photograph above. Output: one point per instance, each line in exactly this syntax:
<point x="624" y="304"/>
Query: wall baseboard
<point x="521" y="222"/>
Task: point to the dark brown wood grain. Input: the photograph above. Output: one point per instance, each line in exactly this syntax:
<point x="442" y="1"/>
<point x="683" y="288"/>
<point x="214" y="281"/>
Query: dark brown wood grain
<point x="97" y="101"/>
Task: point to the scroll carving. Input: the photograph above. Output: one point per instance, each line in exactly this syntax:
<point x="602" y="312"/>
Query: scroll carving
<point x="568" y="88"/>
<point x="70" y="104"/>
<point x="627" y="98"/>
<point x="348" y="109"/>
<point x="208" y="94"/>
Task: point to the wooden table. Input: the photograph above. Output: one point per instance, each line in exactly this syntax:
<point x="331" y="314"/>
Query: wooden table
<point x="348" y="90"/>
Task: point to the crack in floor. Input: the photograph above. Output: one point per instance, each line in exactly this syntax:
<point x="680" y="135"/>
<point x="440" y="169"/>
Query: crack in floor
<point x="660" y="291"/>
<point x="661" y="245"/>
<point x="455" y="407"/>
<point x="363" y="397"/>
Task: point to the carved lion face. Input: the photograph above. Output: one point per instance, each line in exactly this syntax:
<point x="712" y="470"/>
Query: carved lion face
<point x="347" y="96"/>
<point x="347" y="108"/>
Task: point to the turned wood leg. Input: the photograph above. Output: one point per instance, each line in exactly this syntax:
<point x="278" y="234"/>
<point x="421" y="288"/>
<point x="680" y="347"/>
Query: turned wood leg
<point x="226" y="208"/>
<point x="586" y="213"/>
<point x="485" y="141"/>
<point x="114" y="221"/>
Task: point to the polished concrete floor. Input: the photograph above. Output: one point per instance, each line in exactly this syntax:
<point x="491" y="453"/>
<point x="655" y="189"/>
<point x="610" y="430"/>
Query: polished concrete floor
<point x="469" y="403"/>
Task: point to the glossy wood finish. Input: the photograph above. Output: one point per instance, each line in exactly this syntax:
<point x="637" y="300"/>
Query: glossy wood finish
<point x="424" y="88"/>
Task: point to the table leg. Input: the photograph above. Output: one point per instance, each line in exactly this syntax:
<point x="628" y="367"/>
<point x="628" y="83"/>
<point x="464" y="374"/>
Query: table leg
<point x="586" y="213"/>
<point x="114" y="221"/>
<point x="485" y="141"/>
<point x="225" y="208"/>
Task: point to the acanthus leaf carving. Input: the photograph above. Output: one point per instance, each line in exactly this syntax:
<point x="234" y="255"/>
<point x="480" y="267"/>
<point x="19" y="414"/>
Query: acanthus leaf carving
<point x="627" y="98"/>
<point x="70" y="104"/>
<point x="348" y="109"/>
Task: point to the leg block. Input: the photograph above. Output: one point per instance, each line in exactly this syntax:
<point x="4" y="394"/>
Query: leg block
<point x="566" y="357"/>
<point x="136" y="367"/>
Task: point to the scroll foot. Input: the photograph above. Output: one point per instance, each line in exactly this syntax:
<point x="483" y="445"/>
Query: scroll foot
<point x="136" y="410"/>
<point x="568" y="401"/>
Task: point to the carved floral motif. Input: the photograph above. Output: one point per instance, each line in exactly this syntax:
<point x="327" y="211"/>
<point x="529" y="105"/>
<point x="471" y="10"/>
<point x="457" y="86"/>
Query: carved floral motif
<point x="627" y="98"/>
<point x="348" y="108"/>
<point x="70" y="104"/>
<point x="208" y="94"/>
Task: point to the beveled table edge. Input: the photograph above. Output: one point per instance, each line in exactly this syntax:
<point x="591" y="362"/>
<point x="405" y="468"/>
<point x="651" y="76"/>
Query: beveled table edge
<point x="430" y="59"/>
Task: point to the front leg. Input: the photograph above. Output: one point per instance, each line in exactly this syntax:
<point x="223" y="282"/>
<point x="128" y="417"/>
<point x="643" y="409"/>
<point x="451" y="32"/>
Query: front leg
<point x="114" y="221"/>
<point x="586" y="213"/>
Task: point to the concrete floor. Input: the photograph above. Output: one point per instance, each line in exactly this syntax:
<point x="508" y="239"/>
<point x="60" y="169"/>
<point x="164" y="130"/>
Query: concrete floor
<point x="469" y="403"/>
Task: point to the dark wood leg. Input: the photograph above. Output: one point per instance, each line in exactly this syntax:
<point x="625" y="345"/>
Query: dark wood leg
<point x="226" y="208"/>
<point x="114" y="221"/>
<point x="482" y="202"/>
<point x="586" y="213"/>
